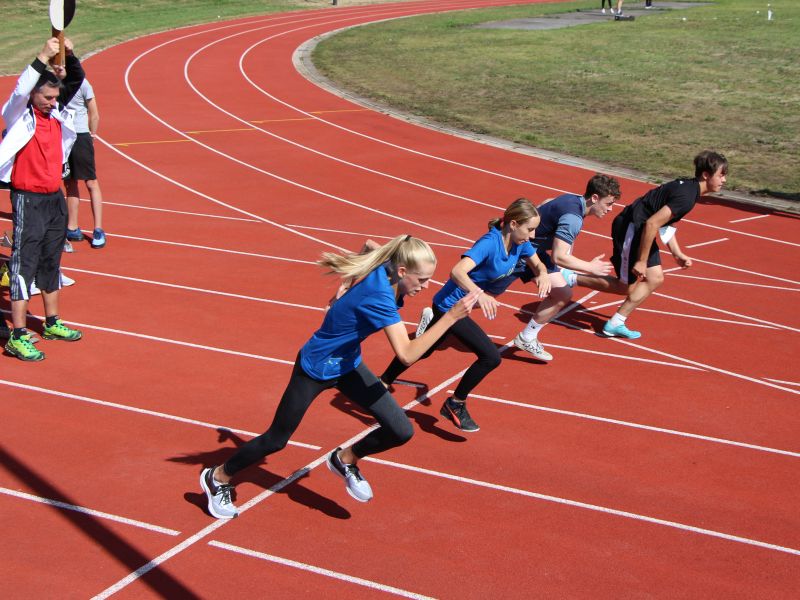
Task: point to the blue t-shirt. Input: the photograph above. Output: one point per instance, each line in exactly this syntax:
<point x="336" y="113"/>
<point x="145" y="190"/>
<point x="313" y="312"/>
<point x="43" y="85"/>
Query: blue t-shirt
<point x="335" y="348"/>
<point x="562" y="218"/>
<point x="494" y="270"/>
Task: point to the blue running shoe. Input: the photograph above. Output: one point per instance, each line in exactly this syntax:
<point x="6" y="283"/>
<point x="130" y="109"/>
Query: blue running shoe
<point x="620" y="331"/>
<point x="570" y="276"/>
<point x="74" y="235"/>
<point x="98" y="238"/>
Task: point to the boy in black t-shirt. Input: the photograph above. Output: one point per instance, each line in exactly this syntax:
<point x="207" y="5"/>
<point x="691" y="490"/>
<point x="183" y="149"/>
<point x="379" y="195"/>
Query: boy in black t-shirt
<point x="634" y="231"/>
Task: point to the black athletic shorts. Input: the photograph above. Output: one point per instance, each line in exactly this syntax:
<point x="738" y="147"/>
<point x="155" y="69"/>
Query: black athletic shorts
<point x="40" y="228"/>
<point x="81" y="159"/>
<point x="626" y="236"/>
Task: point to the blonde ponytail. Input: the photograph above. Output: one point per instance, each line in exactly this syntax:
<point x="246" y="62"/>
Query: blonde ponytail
<point x="403" y="250"/>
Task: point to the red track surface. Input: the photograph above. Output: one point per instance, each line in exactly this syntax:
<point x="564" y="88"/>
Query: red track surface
<point x="196" y="310"/>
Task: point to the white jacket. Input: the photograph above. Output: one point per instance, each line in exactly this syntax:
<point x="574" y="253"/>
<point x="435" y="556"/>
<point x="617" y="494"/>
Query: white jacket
<point x="20" y="121"/>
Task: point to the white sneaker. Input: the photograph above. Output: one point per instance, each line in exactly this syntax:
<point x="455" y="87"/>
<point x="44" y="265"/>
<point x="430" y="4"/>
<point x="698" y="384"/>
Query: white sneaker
<point x="354" y="482"/>
<point x="220" y="504"/>
<point x="66" y="281"/>
<point x="532" y="346"/>
<point x="35" y="291"/>
<point x="424" y="320"/>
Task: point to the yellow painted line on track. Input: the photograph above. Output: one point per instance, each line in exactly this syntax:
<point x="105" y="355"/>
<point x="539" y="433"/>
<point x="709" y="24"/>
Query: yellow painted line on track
<point x="239" y="129"/>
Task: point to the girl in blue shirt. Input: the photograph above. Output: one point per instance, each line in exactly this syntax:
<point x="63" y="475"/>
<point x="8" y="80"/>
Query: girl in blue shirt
<point x="490" y="266"/>
<point x="376" y="283"/>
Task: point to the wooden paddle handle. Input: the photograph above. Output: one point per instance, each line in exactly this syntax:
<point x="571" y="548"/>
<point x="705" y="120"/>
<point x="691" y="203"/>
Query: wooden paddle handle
<point x="61" y="50"/>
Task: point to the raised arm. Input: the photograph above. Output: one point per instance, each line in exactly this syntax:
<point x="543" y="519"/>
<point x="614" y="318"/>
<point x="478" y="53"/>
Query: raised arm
<point x="74" y="75"/>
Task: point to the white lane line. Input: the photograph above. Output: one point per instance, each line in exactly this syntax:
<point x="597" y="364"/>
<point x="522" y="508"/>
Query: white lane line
<point x="208" y="530"/>
<point x="141" y="411"/>
<point x="590" y="331"/>
<point x="374" y="585"/>
<point x="660" y="363"/>
<point x="174" y="212"/>
<point x="290" y="142"/>
<point x="271" y="174"/>
<point x="685" y="316"/>
<point x="368" y="235"/>
<point x="675" y="432"/>
<point x="87" y="511"/>
<point x="211" y="248"/>
<point x="727" y="312"/>
<point x="749" y="219"/>
<point x="193" y="289"/>
<point x="784" y="382"/>
<point x="761" y="285"/>
<point x="727" y="230"/>
<point x="584" y="505"/>
<point x="756" y="273"/>
<point x="154" y="338"/>
<point x="707" y="243"/>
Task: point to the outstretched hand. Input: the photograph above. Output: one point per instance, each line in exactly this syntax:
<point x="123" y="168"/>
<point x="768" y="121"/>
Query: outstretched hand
<point x="600" y="267"/>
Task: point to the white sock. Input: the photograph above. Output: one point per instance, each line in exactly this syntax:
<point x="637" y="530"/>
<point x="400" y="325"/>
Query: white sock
<point x="531" y="331"/>
<point x="617" y="320"/>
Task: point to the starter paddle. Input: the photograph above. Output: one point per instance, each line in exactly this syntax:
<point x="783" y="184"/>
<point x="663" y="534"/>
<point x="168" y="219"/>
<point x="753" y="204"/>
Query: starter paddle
<point x="61" y="13"/>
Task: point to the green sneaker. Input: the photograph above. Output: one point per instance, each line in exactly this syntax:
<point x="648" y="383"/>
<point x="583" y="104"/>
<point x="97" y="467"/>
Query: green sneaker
<point x="23" y="348"/>
<point x="59" y="331"/>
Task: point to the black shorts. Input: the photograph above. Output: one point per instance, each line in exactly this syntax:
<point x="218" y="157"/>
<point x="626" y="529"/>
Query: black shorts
<point x="81" y="159"/>
<point x="40" y="228"/>
<point x="626" y="236"/>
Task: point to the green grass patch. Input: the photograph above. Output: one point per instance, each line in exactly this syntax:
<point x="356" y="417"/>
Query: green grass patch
<point x="645" y="95"/>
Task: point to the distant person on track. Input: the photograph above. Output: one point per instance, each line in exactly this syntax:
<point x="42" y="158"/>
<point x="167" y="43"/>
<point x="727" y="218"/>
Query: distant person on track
<point x="634" y="232"/>
<point x="561" y="222"/>
<point x="82" y="166"/>
<point x="377" y="283"/>
<point x="603" y="6"/>
<point x="39" y="138"/>
<point x="489" y="267"/>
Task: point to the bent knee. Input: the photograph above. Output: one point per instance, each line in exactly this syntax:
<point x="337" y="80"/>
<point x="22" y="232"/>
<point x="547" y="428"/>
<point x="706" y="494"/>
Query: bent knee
<point x="404" y="432"/>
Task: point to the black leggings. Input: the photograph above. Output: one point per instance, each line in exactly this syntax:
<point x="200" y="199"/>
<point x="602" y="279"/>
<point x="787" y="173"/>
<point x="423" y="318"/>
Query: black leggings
<point x="469" y="333"/>
<point x="603" y="3"/>
<point x="361" y="386"/>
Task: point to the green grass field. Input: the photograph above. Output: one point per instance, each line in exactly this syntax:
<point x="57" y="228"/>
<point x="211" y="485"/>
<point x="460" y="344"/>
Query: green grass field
<point x="644" y="95"/>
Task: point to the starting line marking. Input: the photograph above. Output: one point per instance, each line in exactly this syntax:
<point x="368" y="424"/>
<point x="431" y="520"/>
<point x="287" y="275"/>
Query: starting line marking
<point x="707" y="243"/>
<point x="748" y="219"/>
<point x="318" y="570"/>
<point x="88" y="511"/>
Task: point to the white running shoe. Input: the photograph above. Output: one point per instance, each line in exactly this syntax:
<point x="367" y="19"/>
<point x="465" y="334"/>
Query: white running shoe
<point x="354" y="482"/>
<point x="66" y="281"/>
<point x="534" y="347"/>
<point x="424" y="320"/>
<point x="220" y="504"/>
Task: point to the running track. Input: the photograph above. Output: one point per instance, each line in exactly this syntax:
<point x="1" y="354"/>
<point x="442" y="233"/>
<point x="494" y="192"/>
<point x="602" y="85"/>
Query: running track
<point x="662" y="468"/>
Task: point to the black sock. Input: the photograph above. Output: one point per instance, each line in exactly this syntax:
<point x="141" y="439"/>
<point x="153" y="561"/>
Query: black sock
<point x="50" y="321"/>
<point x="18" y="332"/>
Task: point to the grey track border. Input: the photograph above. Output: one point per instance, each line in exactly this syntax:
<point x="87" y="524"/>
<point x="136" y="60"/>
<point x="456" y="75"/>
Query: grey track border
<point x="304" y="65"/>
